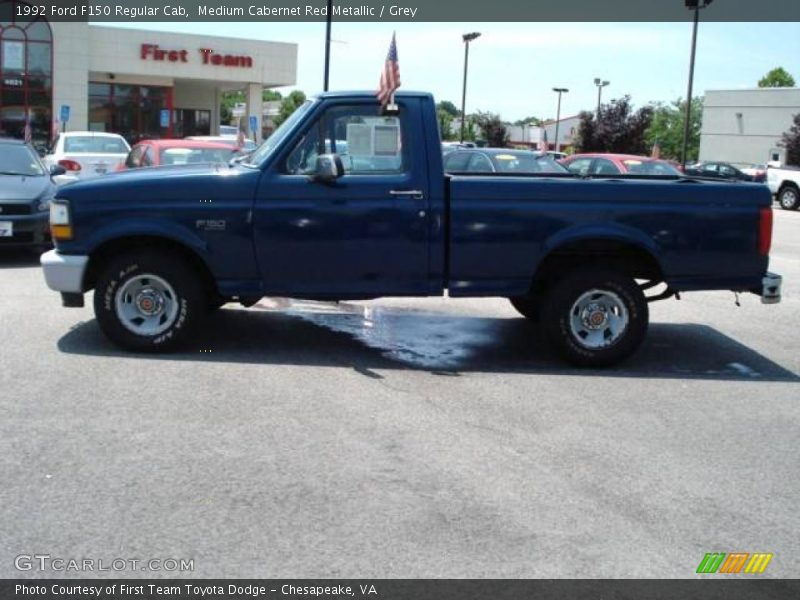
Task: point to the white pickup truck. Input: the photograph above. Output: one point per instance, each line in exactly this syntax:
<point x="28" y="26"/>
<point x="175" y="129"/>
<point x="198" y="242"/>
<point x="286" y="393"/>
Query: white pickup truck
<point x="784" y="183"/>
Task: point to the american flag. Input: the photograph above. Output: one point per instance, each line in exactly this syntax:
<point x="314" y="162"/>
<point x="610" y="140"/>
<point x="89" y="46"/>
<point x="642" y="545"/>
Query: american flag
<point x="28" y="132"/>
<point x="390" y="76"/>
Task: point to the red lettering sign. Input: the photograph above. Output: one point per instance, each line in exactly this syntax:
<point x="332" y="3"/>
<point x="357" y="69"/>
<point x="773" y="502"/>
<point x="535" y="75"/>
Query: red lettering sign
<point x="208" y="57"/>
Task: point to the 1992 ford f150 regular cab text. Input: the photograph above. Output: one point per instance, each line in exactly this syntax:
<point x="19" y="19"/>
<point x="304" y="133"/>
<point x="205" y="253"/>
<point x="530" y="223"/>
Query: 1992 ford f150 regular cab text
<point x="346" y="201"/>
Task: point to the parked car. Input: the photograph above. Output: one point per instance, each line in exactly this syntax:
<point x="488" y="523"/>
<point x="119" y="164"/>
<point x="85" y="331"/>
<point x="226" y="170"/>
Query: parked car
<point x="232" y="142"/>
<point x="718" y="170"/>
<point x="228" y="131"/>
<point x="556" y="155"/>
<point x="156" y="153"/>
<point x="86" y="154"/>
<point x="757" y="171"/>
<point x="617" y="164"/>
<point x="500" y="160"/>
<point x="784" y="183"/>
<point x="26" y="189"/>
<point x="577" y="254"/>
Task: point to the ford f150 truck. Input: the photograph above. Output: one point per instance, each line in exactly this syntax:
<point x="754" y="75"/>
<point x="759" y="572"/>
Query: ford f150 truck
<point x="348" y="201"/>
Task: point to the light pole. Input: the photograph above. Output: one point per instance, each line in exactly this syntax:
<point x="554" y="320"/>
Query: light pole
<point x="696" y="5"/>
<point x="328" y="20"/>
<point x="600" y="85"/>
<point x="559" y="91"/>
<point x="468" y="37"/>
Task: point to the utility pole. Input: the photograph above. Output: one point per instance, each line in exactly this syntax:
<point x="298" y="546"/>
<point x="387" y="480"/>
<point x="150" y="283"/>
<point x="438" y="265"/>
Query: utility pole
<point x="467" y="37"/>
<point x="559" y="91"/>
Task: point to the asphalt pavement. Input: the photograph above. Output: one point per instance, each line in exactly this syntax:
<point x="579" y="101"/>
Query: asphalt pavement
<point x="401" y="438"/>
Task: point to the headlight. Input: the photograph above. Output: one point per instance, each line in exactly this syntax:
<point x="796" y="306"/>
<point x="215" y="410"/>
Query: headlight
<point x="60" y="225"/>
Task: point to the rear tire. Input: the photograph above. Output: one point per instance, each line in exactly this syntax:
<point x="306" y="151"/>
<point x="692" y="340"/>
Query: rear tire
<point x="595" y="317"/>
<point x="789" y="198"/>
<point x="148" y="302"/>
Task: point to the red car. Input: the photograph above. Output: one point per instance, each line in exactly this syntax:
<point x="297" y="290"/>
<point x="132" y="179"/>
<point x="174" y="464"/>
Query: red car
<point x="617" y="164"/>
<point x="156" y="153"/>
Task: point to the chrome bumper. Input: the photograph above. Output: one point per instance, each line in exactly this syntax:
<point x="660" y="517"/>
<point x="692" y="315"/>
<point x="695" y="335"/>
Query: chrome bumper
<point x="64" y="272"/>
<point x="771" y="288"/>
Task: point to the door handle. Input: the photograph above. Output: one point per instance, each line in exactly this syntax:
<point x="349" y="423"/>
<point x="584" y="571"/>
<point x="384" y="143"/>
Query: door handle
<point x="415" y="194"/>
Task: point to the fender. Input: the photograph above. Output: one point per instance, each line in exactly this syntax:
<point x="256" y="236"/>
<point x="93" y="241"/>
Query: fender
<point x="614" y="232"/>
<point x="147" y="227"/>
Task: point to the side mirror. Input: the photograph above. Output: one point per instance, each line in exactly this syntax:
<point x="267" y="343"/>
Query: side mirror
<point x="57" y="170"/>
<point x="329" y="168"/>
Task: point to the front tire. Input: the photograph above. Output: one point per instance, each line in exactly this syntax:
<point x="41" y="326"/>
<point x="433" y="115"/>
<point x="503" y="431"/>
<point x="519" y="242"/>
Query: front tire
<point x="789" y="198"/>
<point x="595" y="317"/>
<point x="148" y="302"/>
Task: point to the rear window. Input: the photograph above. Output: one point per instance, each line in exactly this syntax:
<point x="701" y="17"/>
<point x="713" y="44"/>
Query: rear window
<point x="526" y="163"/>
<point x="95" y="145"/>
<point x="189" y="156"/>
<point x="649" y="167"/>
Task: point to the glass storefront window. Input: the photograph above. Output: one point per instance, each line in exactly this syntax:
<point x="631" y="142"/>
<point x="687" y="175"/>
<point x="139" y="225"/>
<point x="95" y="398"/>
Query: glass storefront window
<point x="133" y="111"/>
<point x="26" y="65"/>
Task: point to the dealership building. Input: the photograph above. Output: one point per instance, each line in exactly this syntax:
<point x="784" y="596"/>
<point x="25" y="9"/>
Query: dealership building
<point x="745" y="126"/>
<point x="141" y="84"/>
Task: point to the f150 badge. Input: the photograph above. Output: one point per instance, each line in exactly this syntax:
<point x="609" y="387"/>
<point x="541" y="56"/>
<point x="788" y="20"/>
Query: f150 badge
<point x="211" y="224"/>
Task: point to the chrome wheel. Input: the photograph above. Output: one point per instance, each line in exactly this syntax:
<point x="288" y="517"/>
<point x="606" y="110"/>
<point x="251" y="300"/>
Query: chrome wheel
<point x="598" y="319"/>
<point x="789" y="198"/>
<point x="146" y="305"/>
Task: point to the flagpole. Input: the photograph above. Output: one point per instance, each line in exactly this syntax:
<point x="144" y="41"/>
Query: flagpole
<point x="328" y="45"/>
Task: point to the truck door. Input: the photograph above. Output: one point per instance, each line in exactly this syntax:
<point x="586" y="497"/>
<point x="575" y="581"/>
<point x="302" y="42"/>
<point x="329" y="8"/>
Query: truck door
<point x="365" y="234"/>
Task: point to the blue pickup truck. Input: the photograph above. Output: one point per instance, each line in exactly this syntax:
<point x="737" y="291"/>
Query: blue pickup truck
<point x="347" y="200"/>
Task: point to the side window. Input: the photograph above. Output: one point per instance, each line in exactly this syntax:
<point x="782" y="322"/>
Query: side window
<point x="134" y="157"/>
<point x="727" y="171"/>
<point x="603" y="166"/>
<point x="367" y="142"/>
<point x="579" y="166"/>
<point x="710" y="168"/>
<point x="480" y="163"/>
<point x="456" y="161"/>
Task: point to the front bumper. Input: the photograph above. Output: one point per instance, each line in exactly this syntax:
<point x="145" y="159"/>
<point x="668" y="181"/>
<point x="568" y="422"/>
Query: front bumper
<point x="771" y="288"/>
<point x="64" y="272"/>
<point x="31" y="230"/>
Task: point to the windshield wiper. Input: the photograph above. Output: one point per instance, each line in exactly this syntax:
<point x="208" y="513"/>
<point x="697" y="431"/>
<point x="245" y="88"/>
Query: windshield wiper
<point x="17" y="173"/>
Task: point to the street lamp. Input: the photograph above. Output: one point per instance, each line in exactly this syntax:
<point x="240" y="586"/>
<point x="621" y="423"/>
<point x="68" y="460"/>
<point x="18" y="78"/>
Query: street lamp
<point x="559" y="91"/>
<point x="328" y="20"/>
<point x="695" y="5"/>
<point x="468" y="37"/>
<point x="600" y="85"/>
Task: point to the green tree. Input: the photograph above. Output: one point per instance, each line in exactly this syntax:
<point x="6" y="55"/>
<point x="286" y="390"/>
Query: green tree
<point x="536" y="121"/>
<point x="791" y="141"/>
<point x="666" y="129"/>
<point x="778" y="77"/>
<point x="618" y="129"/>
<point x="492" y="128"/>
<point x="448" y="107"/>
<point x="288" y="105"/>
<point x="271" y="96"/>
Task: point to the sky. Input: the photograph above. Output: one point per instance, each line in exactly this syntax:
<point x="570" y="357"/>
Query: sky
<point x="514" y="66"/>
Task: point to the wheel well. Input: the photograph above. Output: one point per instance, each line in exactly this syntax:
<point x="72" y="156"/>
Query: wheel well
<point x="624" y="257"/>
<point x="788" y="184"/>
<point x="108" y="250"/>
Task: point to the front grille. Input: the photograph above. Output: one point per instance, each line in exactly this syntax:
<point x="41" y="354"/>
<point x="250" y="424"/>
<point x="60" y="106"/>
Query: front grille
<point x="22" y="237"/>
<point x="14" y="209"/>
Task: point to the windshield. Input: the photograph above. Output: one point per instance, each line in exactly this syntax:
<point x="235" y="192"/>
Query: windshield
<point x="526" y="163"/>
<point x="192" y="156"/>
<point x="19" y="160"/>
<point x="99" y="144"/>
<point x="278" y="135"/>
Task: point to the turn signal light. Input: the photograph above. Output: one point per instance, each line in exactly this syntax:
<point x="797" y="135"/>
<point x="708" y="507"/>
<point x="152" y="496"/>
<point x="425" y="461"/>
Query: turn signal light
<point x="61" y="232"/>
